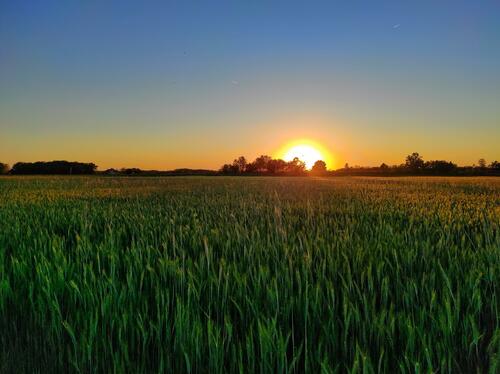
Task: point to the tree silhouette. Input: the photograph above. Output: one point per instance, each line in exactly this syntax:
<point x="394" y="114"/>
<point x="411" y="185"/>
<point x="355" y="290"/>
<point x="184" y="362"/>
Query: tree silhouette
<point x="495" y="165"/>
<point x="264" y="165"/>
<point x="261" y="163"/>
<point x="276" y="166"/>
<point x="53" y="167"/>
<point x="481" y="163"/>
<point x="414" y="161"/>
<point x="319" y="167"/>
<point x="4" y="168"/>
<point x="239" y="165"/>
<point x="130" y="171"/>
<point x="296" y="167"/>
<point x="225" y="169"/>
<point x="251" y="168"/>
<point x="440" y="166"/>
<point x="414" y="164"/>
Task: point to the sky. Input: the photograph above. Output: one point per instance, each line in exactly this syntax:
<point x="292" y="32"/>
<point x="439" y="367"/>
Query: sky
<point x="169" y="84"/>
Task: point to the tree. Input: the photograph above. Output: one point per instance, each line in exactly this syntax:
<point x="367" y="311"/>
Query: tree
<point x="239" y="165"/>
<point x="346" y="166"/>
<point x="414" y="161"/>
<point x="384" y="166"/>
<point x="296" y="167"/>
<point x="111" y="171"/>
<point x="261" y="163"/>
<point x="225" y="169"/>
<point x="319" y="167"/>
<point x="495" y="165"/>
<point x="251" y="168"/>
<point x="440" y="166"/>
<point x="53" y="167"/>
<point x="276" y="166"/>
<point x="4" y="168"/>
<point x="481" y="163"/>
<point x="131" y="171"/>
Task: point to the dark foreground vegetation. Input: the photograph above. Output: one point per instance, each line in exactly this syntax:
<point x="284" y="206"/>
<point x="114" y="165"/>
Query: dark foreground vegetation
<point x="157" y="173"/>
<point x="53" y="168"/>
<point x="268" y="275"/>
<point x="414" y="165"/>
<point x="81" y="168"/>
<point x="266" y="165"/>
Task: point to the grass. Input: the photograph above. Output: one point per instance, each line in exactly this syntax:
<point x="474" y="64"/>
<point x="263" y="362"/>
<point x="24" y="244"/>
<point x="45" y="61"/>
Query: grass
<point x="249" y="275"/>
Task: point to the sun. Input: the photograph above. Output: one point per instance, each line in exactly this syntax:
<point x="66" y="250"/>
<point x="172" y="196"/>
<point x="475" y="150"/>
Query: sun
<point x="306" y="151"/>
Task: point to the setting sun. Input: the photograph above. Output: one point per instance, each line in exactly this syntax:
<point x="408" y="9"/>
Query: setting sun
<point x="306" y="151"/>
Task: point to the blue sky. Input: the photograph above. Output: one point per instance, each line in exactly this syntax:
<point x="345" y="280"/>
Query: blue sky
<point x="160" y="84"/>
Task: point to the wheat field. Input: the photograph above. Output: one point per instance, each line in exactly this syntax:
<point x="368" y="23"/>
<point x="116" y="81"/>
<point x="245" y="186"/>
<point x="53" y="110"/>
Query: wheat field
<point x="249" y="274"/>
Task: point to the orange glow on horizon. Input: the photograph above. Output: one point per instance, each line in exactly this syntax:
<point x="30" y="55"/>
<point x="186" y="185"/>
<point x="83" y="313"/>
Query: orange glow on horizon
<point x="307" y="151"/>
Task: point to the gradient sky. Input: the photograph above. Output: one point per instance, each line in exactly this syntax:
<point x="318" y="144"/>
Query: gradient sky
<point x="164" y="84"/>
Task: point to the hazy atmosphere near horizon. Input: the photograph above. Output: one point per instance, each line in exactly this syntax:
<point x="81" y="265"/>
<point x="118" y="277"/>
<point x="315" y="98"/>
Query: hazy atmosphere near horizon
<point x="161" y="85"/>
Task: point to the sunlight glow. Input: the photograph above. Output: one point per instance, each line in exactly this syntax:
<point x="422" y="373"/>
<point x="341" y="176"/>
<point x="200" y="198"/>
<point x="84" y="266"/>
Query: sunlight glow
<point x="306" y="151"/>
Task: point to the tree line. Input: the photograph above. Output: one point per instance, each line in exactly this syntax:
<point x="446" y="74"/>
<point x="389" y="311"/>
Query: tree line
<point x="82" y="168"/>
<point x="154" y="173"/>
<point x="266" y="165"/>
<point x="414" y="164"/>
<point x="49" y="167"/>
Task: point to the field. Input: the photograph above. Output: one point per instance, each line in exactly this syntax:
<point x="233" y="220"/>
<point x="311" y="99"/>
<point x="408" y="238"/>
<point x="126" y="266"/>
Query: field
<point x="249" y="274"/>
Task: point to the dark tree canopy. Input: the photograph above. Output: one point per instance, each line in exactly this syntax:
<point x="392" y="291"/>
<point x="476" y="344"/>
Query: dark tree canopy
<point x="296" y="167"/>
<point x="4" y="168"/>
<point x="414" y="165"/>
<point x="319" y="167"/>
<point x="130" y="171"/>
<point x="414" y="161"/>
<point x="495" y="165"/>
<point x="240" y="164"/>
<point x="440" y="166"/>
<point x="276" y="166"/>
<point x="261" y="163"/>
<point x="264" y="165"/>
<point x="53" y="167"/>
